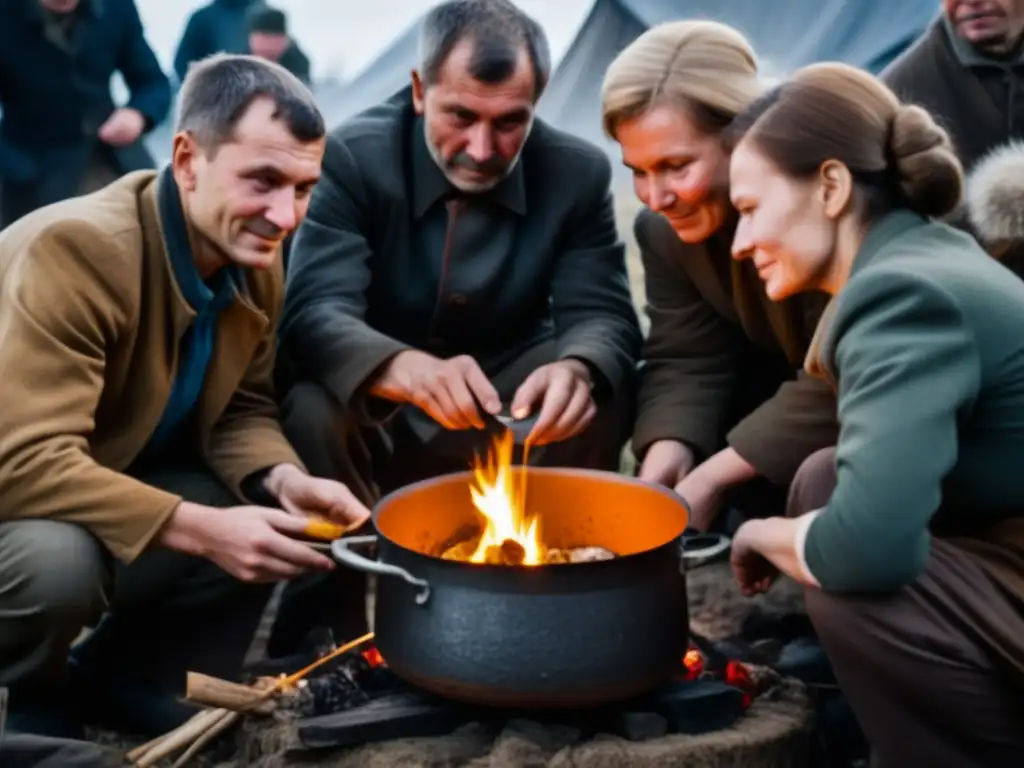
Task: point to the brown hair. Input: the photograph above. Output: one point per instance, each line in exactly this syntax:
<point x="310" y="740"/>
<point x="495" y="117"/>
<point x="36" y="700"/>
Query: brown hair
<point x="897" y="154"/>
<point x="707" y="68"/>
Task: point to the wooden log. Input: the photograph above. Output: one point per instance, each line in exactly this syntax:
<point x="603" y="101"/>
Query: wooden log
<point x="179" y="738"/>
<point x="215" y="729"/>
<point x="223" y="694"/>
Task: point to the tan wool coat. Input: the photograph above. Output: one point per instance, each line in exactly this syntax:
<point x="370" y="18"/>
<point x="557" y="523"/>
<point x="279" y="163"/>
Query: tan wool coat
<point x="91" y="319"/>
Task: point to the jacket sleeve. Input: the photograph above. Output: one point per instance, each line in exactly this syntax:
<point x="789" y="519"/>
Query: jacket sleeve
<point x="594" y="317"/>
<point x="323" y="326"/>
<point x="776" y="437"/>
<point x="58" y="312"/>
<point x="908" y="368"/>
<point x="149" y="88"/>
<point x="248" y="437"/>
<point x="690" y="355"/>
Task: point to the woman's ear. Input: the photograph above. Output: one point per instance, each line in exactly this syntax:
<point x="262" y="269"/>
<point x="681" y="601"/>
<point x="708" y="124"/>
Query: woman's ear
<point x="836" y="188"/>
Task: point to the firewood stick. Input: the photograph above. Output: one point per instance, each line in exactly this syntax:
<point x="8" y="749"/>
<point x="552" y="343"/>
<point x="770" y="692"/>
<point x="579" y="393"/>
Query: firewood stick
<point x="142" y="749"/>
<point x="178" y="738"/>
<point x="137" y="752"/>
<point x="222" y="694"/>
<point x="226" y="721"/>
<point x="152" y="752"/>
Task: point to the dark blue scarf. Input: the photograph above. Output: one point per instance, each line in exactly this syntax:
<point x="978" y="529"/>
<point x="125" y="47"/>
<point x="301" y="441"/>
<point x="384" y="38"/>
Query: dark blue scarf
<point x="207" y="298"/>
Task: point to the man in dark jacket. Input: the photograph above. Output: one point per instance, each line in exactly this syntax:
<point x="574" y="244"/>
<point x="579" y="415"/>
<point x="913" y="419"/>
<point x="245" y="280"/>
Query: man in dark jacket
<point x="459" y="257"/>
<point x="226" y="26"/>
<point x="968" y="70"/>
<point x="60" y="133"/>
<point x="268" y="39"/>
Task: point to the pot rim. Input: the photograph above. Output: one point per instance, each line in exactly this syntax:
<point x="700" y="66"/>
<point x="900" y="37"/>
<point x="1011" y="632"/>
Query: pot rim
<point x="467" y="475"/>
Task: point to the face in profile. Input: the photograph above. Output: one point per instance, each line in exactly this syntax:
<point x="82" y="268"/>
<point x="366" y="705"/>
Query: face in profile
<point x="247" y="195"/>
<point x="678" y="171"/>
<point x="989" y="25"/>
<point x="476" y="130"/>
<point x="787" y="227"/>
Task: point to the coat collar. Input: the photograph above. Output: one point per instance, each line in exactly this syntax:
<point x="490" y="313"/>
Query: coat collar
<point x="429" y="184"/>
<point x="882" y="233"/>
<point x="971" y="57"/>
<point x="219" y="291"/>
<point x="241" y="327"/>
<point x="876" y="241"/>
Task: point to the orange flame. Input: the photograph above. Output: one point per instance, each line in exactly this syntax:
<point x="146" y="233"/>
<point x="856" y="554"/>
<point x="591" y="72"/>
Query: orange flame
<point x="502" y="502"/>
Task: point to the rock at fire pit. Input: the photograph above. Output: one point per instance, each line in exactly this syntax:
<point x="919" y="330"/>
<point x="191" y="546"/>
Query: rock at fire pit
<point x="773" y="733"/>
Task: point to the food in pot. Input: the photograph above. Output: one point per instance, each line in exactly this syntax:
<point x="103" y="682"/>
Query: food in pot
<point x="511" y="552"/>
<point x="510" y="535"/>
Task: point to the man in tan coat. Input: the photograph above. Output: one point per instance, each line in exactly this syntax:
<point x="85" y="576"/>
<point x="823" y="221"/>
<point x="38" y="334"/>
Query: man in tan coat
<point x="143" y="472"/>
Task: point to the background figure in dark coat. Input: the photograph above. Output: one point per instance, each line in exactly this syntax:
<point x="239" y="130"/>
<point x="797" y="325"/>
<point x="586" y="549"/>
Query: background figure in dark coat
<point x="60" y="133"/>
<point x="459" y="255"/>
<point x="226" y="26"/>
<point x="968" y="70"/>
<point x="268" y="39"/>
<point x="725" y="413"/>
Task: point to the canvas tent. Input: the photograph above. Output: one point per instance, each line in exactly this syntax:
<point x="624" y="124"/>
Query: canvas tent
<point x="785" y="33"/>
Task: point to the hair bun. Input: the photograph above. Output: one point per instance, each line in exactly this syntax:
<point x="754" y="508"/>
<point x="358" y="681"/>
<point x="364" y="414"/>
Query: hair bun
<point x="930" y="174"/>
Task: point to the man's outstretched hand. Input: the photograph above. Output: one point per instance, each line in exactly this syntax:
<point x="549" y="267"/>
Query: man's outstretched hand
<point x="562" y="391"/>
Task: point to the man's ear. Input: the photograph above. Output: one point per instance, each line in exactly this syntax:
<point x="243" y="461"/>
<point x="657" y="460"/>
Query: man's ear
<point x="418" y="92"/>
<point x="835" y="188"/>
<point x="184" y="154"/>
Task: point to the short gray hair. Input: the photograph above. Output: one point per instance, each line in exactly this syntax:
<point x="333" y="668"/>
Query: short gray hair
<point x="217" y="91"/>
<point x="499" y="31"/>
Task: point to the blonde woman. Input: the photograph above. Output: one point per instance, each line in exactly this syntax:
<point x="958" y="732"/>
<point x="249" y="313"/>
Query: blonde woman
<point x="724" y="409"/>
<point x="911" y="537"/>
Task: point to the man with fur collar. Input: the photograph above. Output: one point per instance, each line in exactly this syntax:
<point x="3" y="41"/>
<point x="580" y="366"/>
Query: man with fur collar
<point x="968" y="71"/>
<point x="143" y="471"/>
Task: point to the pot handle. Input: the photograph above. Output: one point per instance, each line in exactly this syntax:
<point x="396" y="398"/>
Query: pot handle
<point x="341" y="551"/>
<point x="703" y="547"/>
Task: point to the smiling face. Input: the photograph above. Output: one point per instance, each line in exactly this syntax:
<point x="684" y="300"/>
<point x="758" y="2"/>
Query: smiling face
<point x="788" y="227"/>
<point x="475" y="130"/>
<point x="992" y="26"/>
<point x="248" y="194"/>
<point x="678" y="171"/>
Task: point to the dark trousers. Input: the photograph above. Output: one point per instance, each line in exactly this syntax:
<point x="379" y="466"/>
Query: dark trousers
<point x="160" y="616"/>
<point x="918" y="667"/>
<point x="376" y="460"/>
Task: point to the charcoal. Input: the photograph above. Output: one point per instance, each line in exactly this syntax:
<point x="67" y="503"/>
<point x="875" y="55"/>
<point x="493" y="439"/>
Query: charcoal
<point x="640" y="726"/>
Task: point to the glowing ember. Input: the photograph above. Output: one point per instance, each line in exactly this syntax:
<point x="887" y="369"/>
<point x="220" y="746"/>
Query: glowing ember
<point x="502" y="502"/>
<point x="372" y="657"/>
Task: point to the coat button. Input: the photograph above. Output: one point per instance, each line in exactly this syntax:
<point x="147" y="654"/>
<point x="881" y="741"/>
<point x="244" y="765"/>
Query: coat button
<point x="458" y="300"/>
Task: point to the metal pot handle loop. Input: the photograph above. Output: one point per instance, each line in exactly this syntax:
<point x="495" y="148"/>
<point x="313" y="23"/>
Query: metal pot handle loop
<point x="698" y="548"/>
<point x="341" y="551"/>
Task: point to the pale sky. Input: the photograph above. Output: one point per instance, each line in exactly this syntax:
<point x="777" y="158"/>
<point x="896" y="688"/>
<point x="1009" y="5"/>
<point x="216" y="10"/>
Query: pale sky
<point x="347" y="34"/>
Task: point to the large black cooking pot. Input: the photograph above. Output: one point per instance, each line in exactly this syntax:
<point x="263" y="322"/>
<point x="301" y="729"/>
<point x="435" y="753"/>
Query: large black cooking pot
<point x="550" y="636"/>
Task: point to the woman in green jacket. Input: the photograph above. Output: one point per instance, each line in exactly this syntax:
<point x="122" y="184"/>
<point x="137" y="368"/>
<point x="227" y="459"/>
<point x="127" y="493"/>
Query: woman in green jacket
<point x="909" y="535"/>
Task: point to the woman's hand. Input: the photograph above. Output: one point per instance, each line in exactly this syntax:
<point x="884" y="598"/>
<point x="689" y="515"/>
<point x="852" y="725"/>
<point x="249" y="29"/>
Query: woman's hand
<point x="754" y="573"/>
<point x="763" y="548"/>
